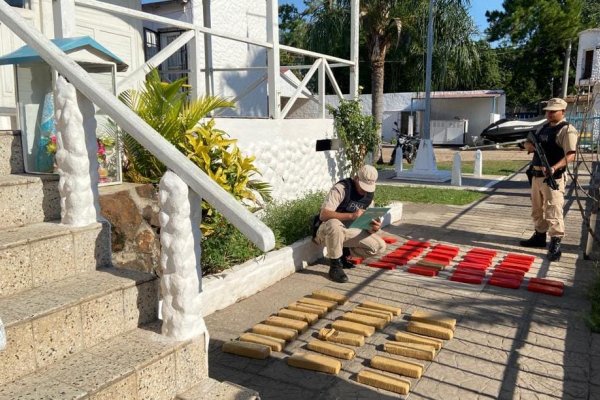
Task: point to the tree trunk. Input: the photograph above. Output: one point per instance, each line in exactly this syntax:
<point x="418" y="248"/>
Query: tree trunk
<point x="377" y="71"/>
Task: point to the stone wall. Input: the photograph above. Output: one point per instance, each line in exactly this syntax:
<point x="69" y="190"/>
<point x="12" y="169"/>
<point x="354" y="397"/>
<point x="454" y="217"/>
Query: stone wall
<point x="132" y="210"/>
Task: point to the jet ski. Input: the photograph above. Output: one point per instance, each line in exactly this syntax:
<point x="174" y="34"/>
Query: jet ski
<point x="510" y="130"/>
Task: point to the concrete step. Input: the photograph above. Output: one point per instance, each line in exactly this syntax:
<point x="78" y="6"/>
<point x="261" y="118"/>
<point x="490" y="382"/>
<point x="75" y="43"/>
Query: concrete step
<point x="38" y="254"/>
<point x="27" y="199"/>
<point x="11" y="153"/>
<point x="47" y="324"/>
<point x="137" y="364"/>
<point x="211" y="389"/>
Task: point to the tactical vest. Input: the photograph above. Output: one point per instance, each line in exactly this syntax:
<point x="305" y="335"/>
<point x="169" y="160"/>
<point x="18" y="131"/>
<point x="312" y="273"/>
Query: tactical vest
<point x="554" y="153"/>
<point x="352" y="199"/>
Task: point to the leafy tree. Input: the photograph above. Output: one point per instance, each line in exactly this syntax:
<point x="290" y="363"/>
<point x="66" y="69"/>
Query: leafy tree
<point x="392" y="42"/>
<point x="538" y="32"/>
<point x="358" y="132"/>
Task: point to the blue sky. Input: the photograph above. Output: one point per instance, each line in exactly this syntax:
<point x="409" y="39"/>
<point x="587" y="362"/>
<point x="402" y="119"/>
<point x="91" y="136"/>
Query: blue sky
<point x="478" y="9"/>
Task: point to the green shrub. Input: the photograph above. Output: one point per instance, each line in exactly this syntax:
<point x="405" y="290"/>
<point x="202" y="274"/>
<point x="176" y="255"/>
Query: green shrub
<point x="225" y="247"/>
<point x="166" y="108"/>
<point x="358" y="132"/>
<point x="290" y="221"/>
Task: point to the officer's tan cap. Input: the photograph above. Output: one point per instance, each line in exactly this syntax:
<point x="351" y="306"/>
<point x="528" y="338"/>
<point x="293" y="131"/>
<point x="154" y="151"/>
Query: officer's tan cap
<point x="556" y="104"/>
<point x="367" y="177"/>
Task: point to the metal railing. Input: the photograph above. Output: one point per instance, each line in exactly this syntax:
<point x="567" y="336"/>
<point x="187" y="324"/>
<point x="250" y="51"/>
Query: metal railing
<point x="191" y="31"/>
<point x="253" y="228"/>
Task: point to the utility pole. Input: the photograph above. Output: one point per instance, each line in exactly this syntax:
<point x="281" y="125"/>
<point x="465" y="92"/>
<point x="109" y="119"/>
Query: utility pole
<point x="566" y="71"/>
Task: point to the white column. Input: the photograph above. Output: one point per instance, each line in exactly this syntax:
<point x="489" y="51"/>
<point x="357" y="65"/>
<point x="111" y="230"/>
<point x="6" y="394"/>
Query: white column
<point x="398" y="168"/>
<point x="354" y="31"/>
<point x="322" y="88"/>
<point x="478" y="167"/>
<point x="76" y="156"/>
<point x="196" y="50"/>
<point x="181" y="282"/>
<point x="456" y="170"/>
<point x="273" y="58"/>
<point x="64" y="18"/>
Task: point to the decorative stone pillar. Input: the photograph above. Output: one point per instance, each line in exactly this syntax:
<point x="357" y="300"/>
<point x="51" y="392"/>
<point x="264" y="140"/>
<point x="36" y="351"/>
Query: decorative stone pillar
<point x="181" y="284"/>
<point x="76" y="156"/>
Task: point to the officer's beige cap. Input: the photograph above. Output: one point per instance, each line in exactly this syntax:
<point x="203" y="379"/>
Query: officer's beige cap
<point x="367" y="177"/>
<point x="556" y="104"/>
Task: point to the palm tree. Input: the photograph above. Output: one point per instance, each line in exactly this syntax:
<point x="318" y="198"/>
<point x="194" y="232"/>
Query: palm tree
<point x="166" y="108"/>
<point x="390" y="24"/>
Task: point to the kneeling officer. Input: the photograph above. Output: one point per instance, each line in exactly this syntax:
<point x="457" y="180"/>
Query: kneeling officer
<point x="345" y="202"/>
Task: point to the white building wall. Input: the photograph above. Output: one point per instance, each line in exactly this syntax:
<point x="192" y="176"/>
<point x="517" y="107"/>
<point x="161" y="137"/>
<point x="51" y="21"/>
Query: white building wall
<point x="588" y="40"/>
<point x="285" y="153"/>
<point x="246" y="19"/>
<point x="120" y="35"/>
<point x="475" y="109"/>
<point x="243" y="19"/>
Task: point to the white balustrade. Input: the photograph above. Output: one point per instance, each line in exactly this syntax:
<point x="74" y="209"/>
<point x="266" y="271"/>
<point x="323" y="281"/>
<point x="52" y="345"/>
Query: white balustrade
<point x="180" y="235"/>
<point x="76" y="155"/>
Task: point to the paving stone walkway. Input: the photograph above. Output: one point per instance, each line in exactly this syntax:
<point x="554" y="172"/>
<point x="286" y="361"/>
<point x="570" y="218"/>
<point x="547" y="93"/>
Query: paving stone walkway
<point x="508" y="344"/>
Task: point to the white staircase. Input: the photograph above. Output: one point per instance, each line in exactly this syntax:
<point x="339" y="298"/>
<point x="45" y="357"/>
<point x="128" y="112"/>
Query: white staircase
<point x="76" y="327"/>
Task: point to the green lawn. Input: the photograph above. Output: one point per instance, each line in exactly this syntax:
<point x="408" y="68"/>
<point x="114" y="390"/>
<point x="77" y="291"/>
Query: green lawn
<point x="490" y="167"/>
<point x="386" y="194"/>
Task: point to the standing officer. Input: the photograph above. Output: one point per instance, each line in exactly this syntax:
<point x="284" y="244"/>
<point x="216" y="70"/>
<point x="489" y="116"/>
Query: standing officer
<point x="345" y="202"/>
<point x="558" y="140"/>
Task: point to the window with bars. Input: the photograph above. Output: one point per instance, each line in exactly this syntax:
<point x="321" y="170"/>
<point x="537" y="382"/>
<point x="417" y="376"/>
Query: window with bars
<point x="587" y="66"/>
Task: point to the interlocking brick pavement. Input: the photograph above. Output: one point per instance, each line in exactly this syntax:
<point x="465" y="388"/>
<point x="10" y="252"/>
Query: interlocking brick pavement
<point x="508" y="344"/>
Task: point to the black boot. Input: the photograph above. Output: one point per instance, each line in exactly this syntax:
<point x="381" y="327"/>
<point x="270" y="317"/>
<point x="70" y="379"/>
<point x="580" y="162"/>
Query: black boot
<point x="345" y="263"/>
<point x="336" y="272"/>
<point x="554" y="251"/>
<point x="538" y="239"/>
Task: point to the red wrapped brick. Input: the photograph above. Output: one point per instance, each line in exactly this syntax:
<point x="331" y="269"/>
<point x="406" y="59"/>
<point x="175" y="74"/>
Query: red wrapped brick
<point x="389" y="239"/>
<point x="422" y="271"/>
<point x="479" y="260"/>
<point x="448" y="249"/>
<point x="507" y="275"/>
<point x="416" y="243"/>
<point x="518" y="267"/>
<point x="547" y="282"/>
<point x="485" y="252"/>
<point x="438" y="257"/>
<point x="381" y="264"/>
<point x="470" y="271"/>
<point x="517" y="256"/>
<point x="472" y="279"/>
<point x="505" y="283"/>
<point x="394" y="260"/>
<point x="473" y="265"/>
<point x="546" y="289"/>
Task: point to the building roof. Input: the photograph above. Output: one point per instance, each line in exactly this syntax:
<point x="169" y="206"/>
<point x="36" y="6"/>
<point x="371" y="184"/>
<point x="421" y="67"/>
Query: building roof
<point x="464" y="94"/>
<point x="27" y="54"/>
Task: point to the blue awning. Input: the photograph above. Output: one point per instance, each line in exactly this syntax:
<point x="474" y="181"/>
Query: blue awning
<point x="27" y="54"/>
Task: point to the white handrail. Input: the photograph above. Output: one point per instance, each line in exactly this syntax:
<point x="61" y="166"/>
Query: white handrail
<point x="253" y="228"/>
